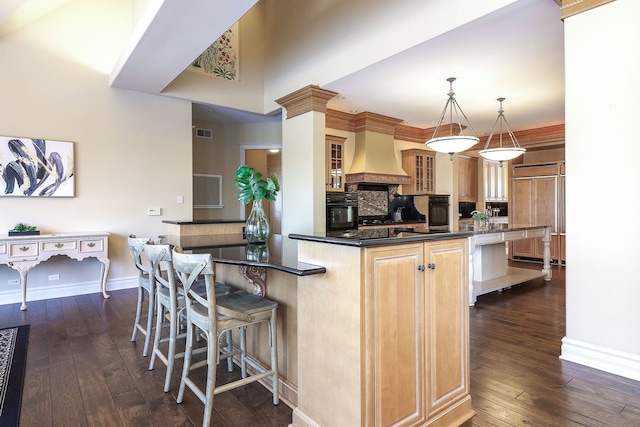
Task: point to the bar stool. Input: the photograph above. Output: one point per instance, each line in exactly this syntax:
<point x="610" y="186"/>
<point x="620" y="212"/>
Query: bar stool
<point x="214" y="316"/>
<point x="170" y="303"/>
<point x="145" y="286"/>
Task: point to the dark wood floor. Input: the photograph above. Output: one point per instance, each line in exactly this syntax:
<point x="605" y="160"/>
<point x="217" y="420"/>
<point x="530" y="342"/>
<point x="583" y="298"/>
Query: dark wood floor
<point x="83" y="370"/>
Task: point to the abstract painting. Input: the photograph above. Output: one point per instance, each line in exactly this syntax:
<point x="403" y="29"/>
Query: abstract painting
<point x="36" y="167"/>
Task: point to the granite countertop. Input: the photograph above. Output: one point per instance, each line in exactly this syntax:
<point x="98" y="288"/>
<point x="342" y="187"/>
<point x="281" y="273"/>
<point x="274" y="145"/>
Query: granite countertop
<point x="279" y="253"/>
<point x="400" y="235"/>
<point x="203" y="221"/>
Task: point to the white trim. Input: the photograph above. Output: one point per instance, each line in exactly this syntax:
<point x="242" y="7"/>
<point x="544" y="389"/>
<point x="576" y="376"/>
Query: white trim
<point x="602" y="358"/>
<point x="67" y="290"/>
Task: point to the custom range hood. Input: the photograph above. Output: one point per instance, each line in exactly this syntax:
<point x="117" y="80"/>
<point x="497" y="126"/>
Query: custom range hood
<point x="374" y="159"/>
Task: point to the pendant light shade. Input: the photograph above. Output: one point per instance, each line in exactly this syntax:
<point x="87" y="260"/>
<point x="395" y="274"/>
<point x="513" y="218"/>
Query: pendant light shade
<point x="456" y="141"/>
<point x="502" y="153"/>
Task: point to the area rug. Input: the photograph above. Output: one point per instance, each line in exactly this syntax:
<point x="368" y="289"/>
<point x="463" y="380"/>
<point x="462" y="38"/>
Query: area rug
<point x="13" y="359"/>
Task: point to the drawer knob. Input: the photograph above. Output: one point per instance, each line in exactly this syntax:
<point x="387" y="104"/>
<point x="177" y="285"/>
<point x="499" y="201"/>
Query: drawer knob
<point x="91" y="244"/>
<point x="59" y="245"/>
<point x="24" y="248"/>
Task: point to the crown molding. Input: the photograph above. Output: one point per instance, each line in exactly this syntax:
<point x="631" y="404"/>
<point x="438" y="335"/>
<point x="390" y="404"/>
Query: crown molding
<point x="309" y="98"/>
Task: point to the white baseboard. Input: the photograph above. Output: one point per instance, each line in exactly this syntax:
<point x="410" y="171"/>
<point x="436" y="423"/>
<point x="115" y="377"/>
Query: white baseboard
<point x="71" y="289"/>
<point x="602" y="358"/>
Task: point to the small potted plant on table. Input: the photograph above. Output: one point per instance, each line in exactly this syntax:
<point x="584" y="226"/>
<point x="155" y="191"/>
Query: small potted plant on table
<point x="22" y="229"/>
<point x="480" y="220"/>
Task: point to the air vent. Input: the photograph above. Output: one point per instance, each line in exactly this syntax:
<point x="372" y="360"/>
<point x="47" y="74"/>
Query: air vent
<point x="204" y="133"/>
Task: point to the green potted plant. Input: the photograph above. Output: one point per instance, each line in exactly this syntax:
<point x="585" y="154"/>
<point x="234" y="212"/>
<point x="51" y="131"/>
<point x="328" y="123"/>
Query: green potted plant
<point x="480" y="219"/>
<point x="253" y="188"/>
<point x="22" y="229"/>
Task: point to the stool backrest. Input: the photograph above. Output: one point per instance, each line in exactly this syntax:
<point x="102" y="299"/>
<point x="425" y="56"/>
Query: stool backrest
<point x="136" y="246"/>
<point x="161" y="267"/>
<point x="188" y="268"/>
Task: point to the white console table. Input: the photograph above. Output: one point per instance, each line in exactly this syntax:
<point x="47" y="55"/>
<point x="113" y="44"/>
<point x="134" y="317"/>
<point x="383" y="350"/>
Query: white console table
<point x="22" y="253"/>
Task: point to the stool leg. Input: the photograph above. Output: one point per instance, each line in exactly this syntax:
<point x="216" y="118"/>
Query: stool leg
<point x="147" y="339"/>
<point x="171" y="355"/>
<point x="187" y="361"/>
<point x="274" y="357"/>
<point x="158" y="336"/>
<point x="138" y="313"/>
<point x="243" y="351"/>
<point x="229" y="349"/>
<point x="212" y="356"/>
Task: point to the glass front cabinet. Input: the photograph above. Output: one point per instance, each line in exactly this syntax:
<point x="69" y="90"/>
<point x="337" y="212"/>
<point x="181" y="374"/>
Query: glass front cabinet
<point x="335" y="163"/>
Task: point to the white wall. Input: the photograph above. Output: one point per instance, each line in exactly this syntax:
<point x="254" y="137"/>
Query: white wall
<point x="602" y="153"/>
<point x="132" y="150"/>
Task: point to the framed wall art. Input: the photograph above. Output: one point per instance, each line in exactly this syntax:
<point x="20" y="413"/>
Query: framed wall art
<point x="36" y="167"/>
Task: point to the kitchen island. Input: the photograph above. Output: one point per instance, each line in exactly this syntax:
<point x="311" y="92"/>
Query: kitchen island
<point x="383" y="335"/>
<point x="373" y="328"/>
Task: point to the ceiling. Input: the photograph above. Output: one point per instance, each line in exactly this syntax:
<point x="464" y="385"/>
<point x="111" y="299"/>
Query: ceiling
<point x="515" y="52"/>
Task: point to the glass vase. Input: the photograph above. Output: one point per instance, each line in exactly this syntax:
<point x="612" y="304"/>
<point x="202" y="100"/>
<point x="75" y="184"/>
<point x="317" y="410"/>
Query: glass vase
<point x="257" y="226"/>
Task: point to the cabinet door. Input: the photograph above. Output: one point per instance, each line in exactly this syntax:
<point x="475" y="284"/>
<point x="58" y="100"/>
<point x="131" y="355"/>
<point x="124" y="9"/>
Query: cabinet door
<point x="421" y="166"/>
<point x="467" y="179"/>
<point x="394" y="371"/>
<point x="335" y="163"/>
<point x="447" y="335"/>
<point x="495" y="181"/>
<point x="534" y="202"/>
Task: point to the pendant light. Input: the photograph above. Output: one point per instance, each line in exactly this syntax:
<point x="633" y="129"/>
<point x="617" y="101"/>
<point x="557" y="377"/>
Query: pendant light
<point x="451" y="143"/>
<point x="502" y="153"/>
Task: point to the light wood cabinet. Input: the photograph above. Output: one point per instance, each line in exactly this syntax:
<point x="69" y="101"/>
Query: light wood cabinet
<point x="416" y="338"/>
<point x="334" y="163"/>
<point x="420" y="165"/>
<point x="467" y="179"/>
<point x="537" y="194"/>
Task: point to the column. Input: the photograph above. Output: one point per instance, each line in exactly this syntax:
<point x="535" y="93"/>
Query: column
<point x="303" y="160"/>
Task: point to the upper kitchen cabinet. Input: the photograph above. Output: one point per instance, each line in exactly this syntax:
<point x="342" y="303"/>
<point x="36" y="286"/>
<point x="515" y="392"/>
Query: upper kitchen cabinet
<point x="467" y="179"/>
<point x="335" y="163"/>
<point x="496" y="176"/>
<point x="420" y="165"/>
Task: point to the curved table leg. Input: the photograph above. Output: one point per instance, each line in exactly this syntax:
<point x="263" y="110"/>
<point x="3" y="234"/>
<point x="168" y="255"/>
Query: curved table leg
<point x="104" y="270"/>
<point x="23" y="269"/>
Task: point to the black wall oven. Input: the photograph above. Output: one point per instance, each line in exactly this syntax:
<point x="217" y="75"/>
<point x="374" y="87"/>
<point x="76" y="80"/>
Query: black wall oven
<point x="438" y="212"/>
<point x="342" y="212"/>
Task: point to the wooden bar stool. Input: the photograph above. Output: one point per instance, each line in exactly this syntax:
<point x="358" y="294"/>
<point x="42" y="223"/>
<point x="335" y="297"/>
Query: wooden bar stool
<point x="215" y="316"/>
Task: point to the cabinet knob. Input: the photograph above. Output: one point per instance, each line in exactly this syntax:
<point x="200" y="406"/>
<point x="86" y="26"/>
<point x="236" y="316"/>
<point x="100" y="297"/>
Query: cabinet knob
<point x="421" y="267"/>
<point x="431" y="266"/>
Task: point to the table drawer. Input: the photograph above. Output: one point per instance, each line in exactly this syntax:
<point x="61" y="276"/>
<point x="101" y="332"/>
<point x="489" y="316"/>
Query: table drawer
<point x="3" y="248"/>
<point x="486" y="239"/>
<point x="535" y="233"/>
<point x="20" y="250"/>
<point x="514" y="235"/>
<point x="59" y="245"/>
<point x="91" y="245"/>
